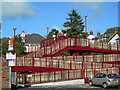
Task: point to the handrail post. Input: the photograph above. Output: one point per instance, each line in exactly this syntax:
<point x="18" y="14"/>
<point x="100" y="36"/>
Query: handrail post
<point x="94" y="43"/>
<point x="24" y="61"/>
<point x="70" y="42"/>
<point x="117" y="47"/>
<point x="16" y="61"/>
<point x="102" y="44"/>
<point x="75" y="41"/>
<point x="86" y="41"/>
<point x="33" y="61"/>
<point x="67" y="42"/>
<point x="44" y="50"/>
<point x="110" y="46"/>
<point x="70" y="64"/>
<point x="79" y="42"/>
<point x="46" y="61"/>
<point x="68" y="75"/>
<point x="51" y="48"/>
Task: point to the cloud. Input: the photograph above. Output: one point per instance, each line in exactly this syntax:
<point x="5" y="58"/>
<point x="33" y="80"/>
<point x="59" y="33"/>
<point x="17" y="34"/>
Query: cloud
<point x="14" y="0"/>
<point x="15" y="9"/>
<point x="73" y="0"/>
<point x="57" y="28"/>
<point x="91" y="28"/>
<point x="96" y="7"/>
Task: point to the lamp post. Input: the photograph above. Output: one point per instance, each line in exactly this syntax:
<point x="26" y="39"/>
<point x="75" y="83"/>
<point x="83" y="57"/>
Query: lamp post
<point x="47" y="32"/>
<point x="86" y="53"/>
<point x="11" y="67"/>
<point x="14" y="38"/>
<point x="86" y="27"/>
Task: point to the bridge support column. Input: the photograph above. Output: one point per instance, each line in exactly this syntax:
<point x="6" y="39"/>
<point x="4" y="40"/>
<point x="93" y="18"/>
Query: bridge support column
<point x="86" y="53"/>
<point x="77" y="53"/>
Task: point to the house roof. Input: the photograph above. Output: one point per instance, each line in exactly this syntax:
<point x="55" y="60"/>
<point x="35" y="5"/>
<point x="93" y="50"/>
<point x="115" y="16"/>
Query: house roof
<point x="108" y="36"/>
<point x="118" y="38"/>
<point x="34" y="38"/>
<point x="60" y="34"/>
<point x="27" y="35"/>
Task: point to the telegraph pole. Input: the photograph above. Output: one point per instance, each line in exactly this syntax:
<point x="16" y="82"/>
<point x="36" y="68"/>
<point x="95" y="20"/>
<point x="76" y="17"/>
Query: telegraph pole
<point x="14" y="38"/>
<point x="86" y="53"/>
<point x="47" y="32"/>
<point x="86" y="27"/>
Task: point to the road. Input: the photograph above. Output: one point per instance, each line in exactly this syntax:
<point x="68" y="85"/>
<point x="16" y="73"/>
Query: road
<point x="66" y="87"/>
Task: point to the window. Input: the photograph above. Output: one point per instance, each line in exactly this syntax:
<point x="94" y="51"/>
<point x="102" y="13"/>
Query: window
<point x="112" y="76"/>
<point x="103" y="75"/>
<point x="98" y="75"/>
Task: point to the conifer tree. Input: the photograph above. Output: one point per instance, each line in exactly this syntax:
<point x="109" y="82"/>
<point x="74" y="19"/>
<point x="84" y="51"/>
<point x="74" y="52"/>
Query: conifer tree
<point x="74" y="25"/>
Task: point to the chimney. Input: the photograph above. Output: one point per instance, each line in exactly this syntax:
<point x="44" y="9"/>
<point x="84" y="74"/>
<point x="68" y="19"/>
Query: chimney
<point x="91" y="32"/>
<point x="98" y="34"/>
<point x="116" y="30"/>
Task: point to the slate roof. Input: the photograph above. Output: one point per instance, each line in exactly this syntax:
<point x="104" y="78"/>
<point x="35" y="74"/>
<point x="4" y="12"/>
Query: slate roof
<point x="108" y="36"/>
<point x="34" y="38"/>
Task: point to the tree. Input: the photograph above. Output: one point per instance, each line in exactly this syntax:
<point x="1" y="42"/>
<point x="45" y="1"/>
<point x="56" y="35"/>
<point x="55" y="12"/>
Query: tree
<point x="112" y="30"/>
<point x="19" y="49"/>
<point x="53" y="32"/>
<point x="74" y="25"/>
<point x="4" y="46"/>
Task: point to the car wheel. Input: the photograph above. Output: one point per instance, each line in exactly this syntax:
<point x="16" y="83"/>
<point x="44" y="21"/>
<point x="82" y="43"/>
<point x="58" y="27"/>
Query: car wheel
<point x="104" y="85"/>
<point x="90" y="83"/>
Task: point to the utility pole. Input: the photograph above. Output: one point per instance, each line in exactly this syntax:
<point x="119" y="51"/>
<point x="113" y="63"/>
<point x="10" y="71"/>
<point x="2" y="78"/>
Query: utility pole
<point x="86" y="53"/>
<point x="47" y="32"/>
<point x="86" y="27"/>
<point x="14" y="38"/>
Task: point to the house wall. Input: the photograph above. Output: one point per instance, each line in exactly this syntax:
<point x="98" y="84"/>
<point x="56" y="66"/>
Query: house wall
<point x="91" y="37"/>
<point x="113" y="40"/>
<point x="31" y="47"/>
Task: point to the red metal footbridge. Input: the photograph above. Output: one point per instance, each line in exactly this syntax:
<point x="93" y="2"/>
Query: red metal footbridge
<point x="47" y="64"/>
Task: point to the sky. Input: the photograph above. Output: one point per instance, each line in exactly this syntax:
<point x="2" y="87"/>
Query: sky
<point x="35" y="17"/>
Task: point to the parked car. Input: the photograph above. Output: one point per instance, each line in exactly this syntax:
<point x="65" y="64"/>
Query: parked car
<point x="105" y="79"/>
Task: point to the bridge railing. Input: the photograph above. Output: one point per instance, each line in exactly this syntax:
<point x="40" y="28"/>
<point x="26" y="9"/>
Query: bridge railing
<point x="43" y="77"/>
<point x="75" y="42"/>
<point x="54" y="45"/>
<point x="70" y="62"/>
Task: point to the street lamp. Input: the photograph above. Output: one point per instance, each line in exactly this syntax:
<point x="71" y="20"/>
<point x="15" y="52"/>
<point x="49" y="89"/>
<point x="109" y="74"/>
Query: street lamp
<point x="14" y="38"/>
<point x="86" y="27"/>
<point x="47" y="32"/>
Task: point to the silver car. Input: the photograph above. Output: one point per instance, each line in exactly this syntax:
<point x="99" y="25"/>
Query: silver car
<point x="105" y="79"/>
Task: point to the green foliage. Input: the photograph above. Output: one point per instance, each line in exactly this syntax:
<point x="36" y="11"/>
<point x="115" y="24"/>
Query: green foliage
<point x="74" y="25"/>
<point x="19" y="49"/>
<point x="53" y="32"/>
<point x="65" y="53"/>
<point x="4" y="46"/>
<point x="112" y="30"/>
<point x="18" y="39"/>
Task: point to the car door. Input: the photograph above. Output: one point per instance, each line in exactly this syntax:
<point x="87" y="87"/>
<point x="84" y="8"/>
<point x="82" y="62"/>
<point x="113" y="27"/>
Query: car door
<point x="96" y="79"/>
<point x="102" y="78"/>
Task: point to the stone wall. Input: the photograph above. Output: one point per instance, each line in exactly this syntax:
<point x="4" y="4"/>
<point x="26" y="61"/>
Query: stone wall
<point x="0" y="73"/>
<point x="5" y="74"/>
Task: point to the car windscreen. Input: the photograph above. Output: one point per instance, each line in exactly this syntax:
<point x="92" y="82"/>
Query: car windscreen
<point x="112" y="76"/>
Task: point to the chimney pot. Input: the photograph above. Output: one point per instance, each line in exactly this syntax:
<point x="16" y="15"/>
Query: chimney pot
<point x="98" y="34"/>
<point x="91" y="32"/>
<point x="116" y="30"/>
